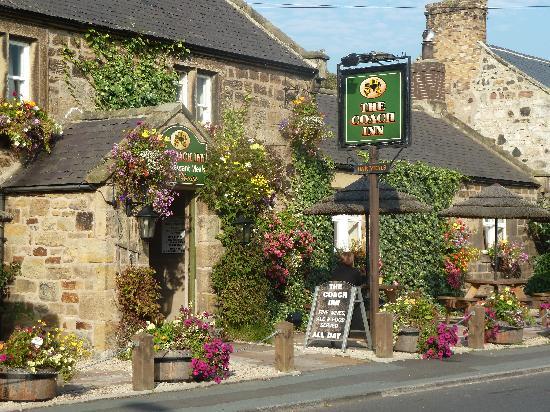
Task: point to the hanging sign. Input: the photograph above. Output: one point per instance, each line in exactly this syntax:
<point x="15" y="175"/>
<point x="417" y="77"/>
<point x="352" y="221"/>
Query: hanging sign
<point x="374" y="106"/>
<point x="191" y="154"/>
<point x="331" y="313"/>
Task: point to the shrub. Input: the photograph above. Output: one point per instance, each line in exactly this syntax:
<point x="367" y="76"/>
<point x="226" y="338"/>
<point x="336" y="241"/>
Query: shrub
<point x="540" y="281"/>
<point x="138" y="295"/>
<point x="508" y="309"/>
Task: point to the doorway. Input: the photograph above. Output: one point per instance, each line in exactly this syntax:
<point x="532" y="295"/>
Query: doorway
<point x="169" y="256"/>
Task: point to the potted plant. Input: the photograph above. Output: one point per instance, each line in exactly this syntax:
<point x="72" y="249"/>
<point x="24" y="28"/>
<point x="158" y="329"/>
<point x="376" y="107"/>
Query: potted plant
<point x="188" y="347"/>
<point x="31" y="359"/>
<point x="509" y="315"/>
<point x="509" y="257"/>
<point x="414" y="319"/>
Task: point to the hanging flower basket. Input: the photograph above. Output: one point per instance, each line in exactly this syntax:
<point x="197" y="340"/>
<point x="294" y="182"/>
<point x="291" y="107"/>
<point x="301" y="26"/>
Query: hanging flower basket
<point x="24" y="386"/>
<point x="145" y="170"/>
<point x="27" y="128"/>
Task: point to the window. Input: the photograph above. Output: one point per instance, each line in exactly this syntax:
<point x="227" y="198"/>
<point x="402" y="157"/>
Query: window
<point x="347" y="231"/>
<point x="489" y="229"/>
<point x="203" y="98"/>
<point x="183" y="89"/>
<point x="19" y="69"/>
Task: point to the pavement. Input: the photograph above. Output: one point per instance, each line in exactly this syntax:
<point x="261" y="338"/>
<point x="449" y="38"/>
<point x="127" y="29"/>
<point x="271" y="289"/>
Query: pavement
<point x="323" y="377"/>
<point x="341" y="382"/>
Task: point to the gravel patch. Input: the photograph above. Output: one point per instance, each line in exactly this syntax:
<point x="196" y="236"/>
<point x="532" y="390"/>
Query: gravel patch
<point x="73" y="393"/>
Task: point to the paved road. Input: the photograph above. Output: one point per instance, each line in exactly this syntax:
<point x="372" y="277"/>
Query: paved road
<point x="335" y="383"/>
<point x="527" y="394"/>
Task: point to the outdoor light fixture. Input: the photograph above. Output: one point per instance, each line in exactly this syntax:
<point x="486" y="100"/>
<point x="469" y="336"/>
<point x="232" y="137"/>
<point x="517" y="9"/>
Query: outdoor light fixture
<point x="147" y="220"/>
<point x="244" y="226"/>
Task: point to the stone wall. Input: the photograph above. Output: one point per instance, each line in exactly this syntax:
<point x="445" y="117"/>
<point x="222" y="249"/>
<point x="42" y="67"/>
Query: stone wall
<point x="70" y="247"/>
<point x="458" y="26"/>
<point x="507" y="106"/>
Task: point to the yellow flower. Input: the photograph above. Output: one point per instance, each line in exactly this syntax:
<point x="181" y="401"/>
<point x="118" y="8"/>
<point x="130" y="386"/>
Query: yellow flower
<point x="145" y="133"/>
<point x="509" y="302"/>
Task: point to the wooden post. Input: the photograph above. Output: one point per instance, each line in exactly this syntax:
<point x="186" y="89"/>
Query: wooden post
<point x="143" y="364"/>
<point x="374" y="240"/>
<point x="384" y="335"/>
<point x="476" y="328"/>
<point x="284" y="347"/>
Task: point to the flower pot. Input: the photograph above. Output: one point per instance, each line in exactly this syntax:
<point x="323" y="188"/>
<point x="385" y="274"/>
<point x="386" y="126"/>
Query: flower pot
<point x="24" y="386"/>
<point x="407" y="340"/>
<point x="507" y="335"/>
<point x="173" y="366"/>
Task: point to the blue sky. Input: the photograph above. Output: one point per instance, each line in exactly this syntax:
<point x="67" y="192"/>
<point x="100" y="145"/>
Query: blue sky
<point x="342" y="31"/>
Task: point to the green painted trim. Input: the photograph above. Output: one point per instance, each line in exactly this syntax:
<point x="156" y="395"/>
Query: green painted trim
<point x="192" y="251"/>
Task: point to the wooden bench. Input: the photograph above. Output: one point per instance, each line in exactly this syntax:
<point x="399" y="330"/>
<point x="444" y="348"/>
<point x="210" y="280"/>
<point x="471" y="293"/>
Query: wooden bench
<point x="456" y="302"/>
<point x="538" y="298"/>
<point x="516" y="285"/>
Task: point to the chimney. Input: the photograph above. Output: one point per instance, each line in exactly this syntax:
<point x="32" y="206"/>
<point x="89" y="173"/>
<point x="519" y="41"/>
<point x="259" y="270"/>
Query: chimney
<point x="457" y="26"/>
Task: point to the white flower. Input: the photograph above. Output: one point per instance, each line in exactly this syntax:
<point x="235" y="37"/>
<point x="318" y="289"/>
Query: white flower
<point x="222" y="159"/>
<point x="248" y="164"/>
<point x="151" y="326"/>
<point x="37" y="341"/>
<point x="36" y="108"/>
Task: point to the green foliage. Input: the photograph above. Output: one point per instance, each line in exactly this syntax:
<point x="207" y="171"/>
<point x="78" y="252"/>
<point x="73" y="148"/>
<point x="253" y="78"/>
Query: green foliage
<point x="540" y="281"/>
<point x="330" y="82"/>
<point x="7" y="275"/>
<point x="540" y="232"/>
<point x="138" y="296"/>
<point x="131" y="72"/>
<point x="412" y="245"/>
<point x="239" y="281"/>
<point x="242" y="176"/>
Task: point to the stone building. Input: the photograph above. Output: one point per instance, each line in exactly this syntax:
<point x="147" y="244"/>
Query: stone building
<point x="67" y="233"/>
<point x="501" y="93"/>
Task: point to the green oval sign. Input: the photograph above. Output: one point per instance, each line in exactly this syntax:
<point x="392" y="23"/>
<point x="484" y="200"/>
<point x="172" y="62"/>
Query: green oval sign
<point x="191" y="154"/>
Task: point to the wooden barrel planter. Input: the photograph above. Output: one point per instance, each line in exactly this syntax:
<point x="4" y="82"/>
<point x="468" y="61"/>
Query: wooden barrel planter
<point x="24" y="386"/>
<point x="507" y="335"/>
<point x="173" y="366"/>
<point x="407" y="340"/>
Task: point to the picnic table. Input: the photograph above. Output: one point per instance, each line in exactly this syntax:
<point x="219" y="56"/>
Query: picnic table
<point x="516" y="285"/>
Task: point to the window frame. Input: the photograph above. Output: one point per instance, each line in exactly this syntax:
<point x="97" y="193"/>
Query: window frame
<point x="342" y="226"/>
<point x="489" y="231"/>
<point x="183" y="88"/>
<point x="208" y="107"/>
<point x="25" y="76"/>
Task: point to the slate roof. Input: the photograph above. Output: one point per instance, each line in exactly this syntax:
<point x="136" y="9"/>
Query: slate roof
<point x="211" y="25"/>
<point x="81" y="149"/>
<point x="535" y="67"/>
<point x="435" y="142"/>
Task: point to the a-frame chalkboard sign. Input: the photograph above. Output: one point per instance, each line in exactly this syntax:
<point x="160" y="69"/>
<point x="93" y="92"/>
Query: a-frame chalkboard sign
<point x="331" y="313"/>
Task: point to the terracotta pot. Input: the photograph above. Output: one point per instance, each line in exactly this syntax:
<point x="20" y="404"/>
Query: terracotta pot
<point x="407" y="340"/>
<point x="23" y="386"/>
<point x="173" y="366"/>
<point x="507" y="335"/>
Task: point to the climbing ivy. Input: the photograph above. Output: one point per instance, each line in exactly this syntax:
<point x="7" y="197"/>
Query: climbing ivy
<point x="411" y="245"/>
<point x="131" y="72"/>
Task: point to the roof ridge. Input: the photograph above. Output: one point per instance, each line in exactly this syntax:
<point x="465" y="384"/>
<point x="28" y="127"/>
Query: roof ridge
<point x="516" y="53"/>
<point x="270" y="29"/>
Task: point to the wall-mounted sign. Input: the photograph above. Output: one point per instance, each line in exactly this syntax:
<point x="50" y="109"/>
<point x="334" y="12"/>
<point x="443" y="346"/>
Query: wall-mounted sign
<point x="173" y="234"/>
<point x="191" y="154"/>
<point x="365" y="169"/>
<point x="374" y="106"/>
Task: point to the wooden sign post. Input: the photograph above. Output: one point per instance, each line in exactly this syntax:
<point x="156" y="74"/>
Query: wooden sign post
<point x="331" y="313"/>
<point x="374" y="241"/>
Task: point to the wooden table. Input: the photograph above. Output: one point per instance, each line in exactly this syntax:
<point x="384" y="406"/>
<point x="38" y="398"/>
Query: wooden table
<point x="516" y="285"/>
